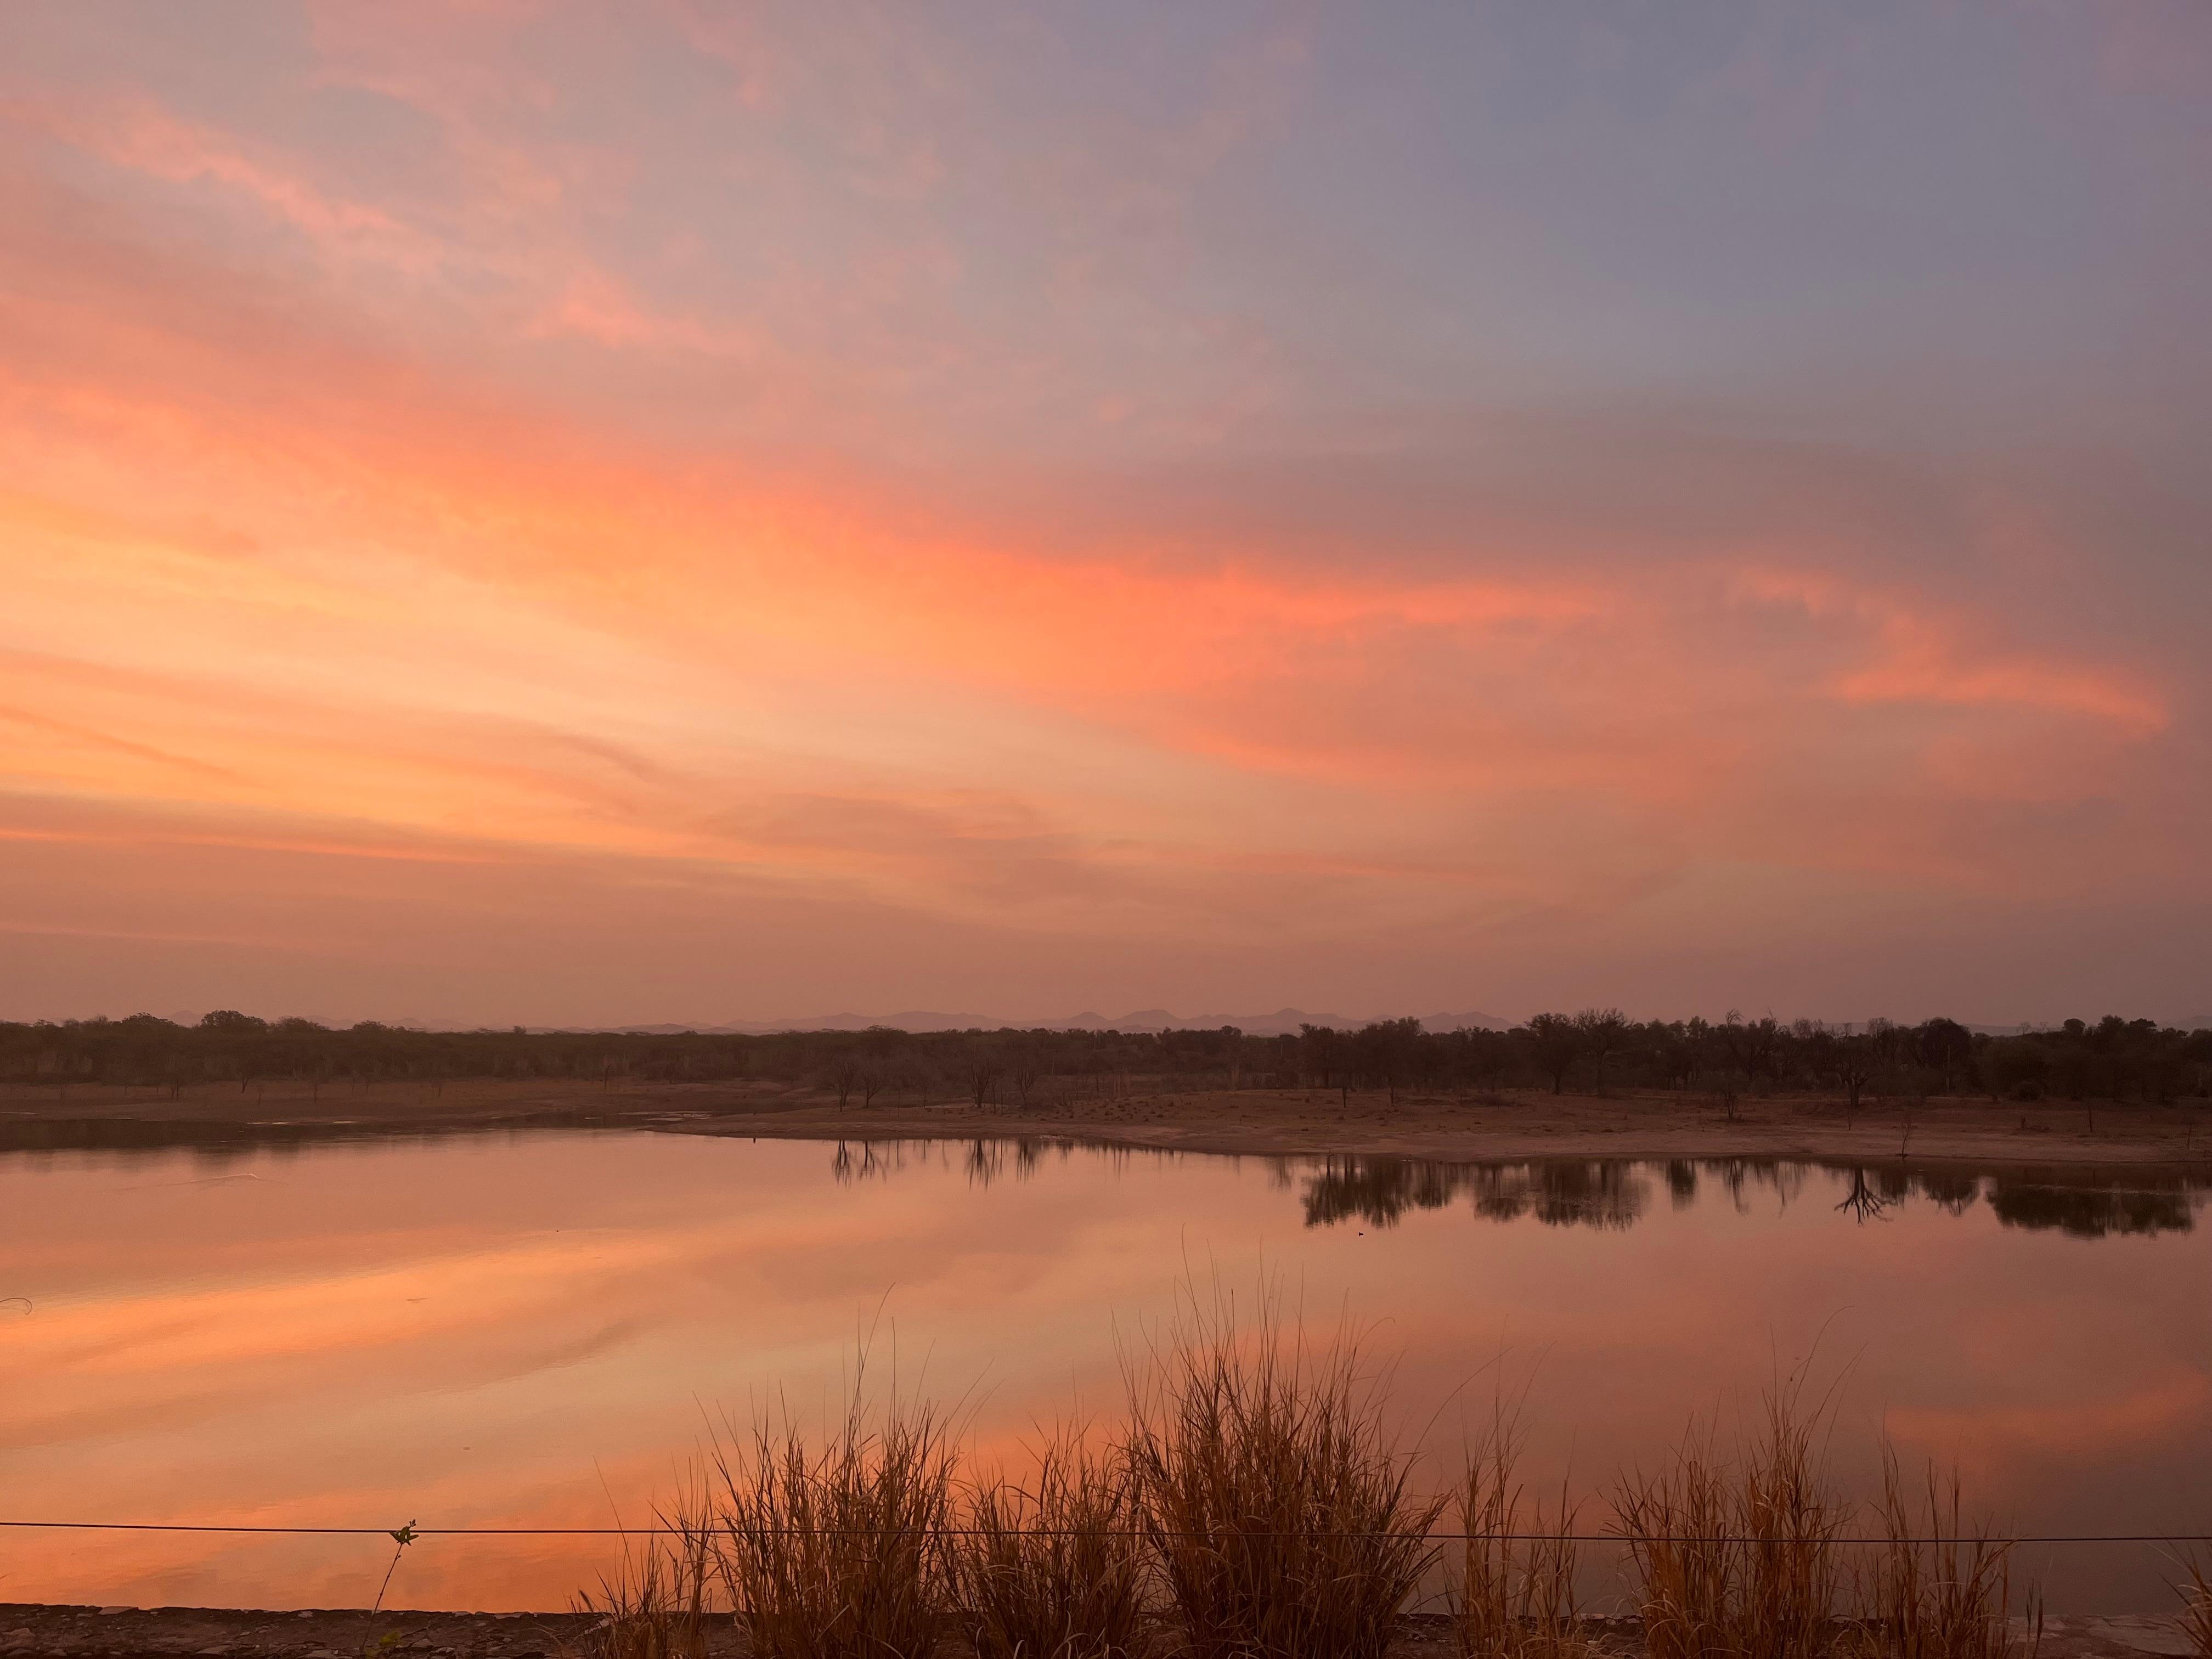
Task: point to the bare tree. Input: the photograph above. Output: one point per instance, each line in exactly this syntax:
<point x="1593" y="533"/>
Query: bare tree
<point x="1753" y="1048"/>
<point x="1856" y="1065"/>
<point x="1558" y="1043"/>
<point x="1602" y="1032"/>
<point x="1727" y="1084"/>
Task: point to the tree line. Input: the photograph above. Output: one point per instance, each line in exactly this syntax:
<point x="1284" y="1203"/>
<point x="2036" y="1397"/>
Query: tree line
<point x="1596" y="1050"/>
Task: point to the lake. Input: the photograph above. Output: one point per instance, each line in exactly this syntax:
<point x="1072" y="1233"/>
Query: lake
<point x="537" y="1329"/>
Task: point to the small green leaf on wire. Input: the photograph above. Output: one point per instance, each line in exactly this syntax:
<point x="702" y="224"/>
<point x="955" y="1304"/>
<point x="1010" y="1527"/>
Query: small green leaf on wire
<point x="404" y="1536"/>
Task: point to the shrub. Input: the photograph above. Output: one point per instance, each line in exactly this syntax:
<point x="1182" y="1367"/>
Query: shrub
<point x="839" y="1553"/>
<point x="1056" y="1570"/>
<point x="1274" y="1500"/>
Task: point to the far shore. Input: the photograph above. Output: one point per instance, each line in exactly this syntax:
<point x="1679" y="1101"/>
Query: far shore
<point x="1509" y="1126"/>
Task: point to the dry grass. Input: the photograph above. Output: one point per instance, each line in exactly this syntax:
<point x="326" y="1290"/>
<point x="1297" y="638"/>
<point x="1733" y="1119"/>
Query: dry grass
<point x="2196" y="1618"/>
<point x="1516" y="1597"/>
<point x="1257" y="1506"/>
<point x="1792" y="1519"/>
<point x="656" y="1604"/>
<point x="1056" y="1570"/>
<point x="1736" y="1560"/>
<point x="1274" y="1500"/>
<point x="839" y="1551"/>
<point x="1678" y="1524"/>
<point x="1937" y="1590"/>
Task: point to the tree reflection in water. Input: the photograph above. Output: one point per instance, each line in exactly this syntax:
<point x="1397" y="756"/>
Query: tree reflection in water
<point x="2141" y="1210"/>
<point x="1862" y="1203"/>
<point x="1611" y="1193"/>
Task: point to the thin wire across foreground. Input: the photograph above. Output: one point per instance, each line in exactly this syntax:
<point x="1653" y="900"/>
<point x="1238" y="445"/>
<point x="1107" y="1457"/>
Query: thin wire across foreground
<point x="1045" y="1532"/>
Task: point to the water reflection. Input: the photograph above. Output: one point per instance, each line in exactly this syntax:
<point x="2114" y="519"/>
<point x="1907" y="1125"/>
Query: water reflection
<point x="217" y="1139"/>
<point x="1609" y="1194"/>
<point x="1614" y="1194"/>
<point x="985" y="1161"/>
<point x="2093" y="1211"/>
<point x="520" y="1329"/>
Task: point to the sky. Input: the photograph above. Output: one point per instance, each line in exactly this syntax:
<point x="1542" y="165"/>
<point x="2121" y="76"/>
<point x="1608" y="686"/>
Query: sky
<point x="681" y="512"/>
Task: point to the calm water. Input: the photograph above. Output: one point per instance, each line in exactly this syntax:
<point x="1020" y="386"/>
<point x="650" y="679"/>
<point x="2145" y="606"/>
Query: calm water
<point x="536" y="1329"/>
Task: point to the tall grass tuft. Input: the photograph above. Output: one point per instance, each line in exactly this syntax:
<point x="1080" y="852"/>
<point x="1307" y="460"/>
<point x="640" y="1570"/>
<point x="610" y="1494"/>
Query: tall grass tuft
<point x="1737" y="1559"/>
<point x="1275" y="1501"/>
<point x="1791" y="1519"/>
<point x="2196" y="1619"/>
<point x="1516" y="1593"/>
<point x="655" y="1605"/>
<point x="1056" y="1571"/>
<point x="839" y="1551"/>
<point x="1936" y="1589"/>
<point x="1678" y="1525"/>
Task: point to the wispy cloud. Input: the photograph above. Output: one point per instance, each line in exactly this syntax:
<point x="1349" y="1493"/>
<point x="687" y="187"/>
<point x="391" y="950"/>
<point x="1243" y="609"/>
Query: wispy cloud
<point x="690" y="447"/>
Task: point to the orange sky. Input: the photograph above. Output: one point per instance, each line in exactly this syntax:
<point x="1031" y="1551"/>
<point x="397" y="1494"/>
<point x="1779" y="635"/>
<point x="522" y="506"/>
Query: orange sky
<point x="514" y="513"/>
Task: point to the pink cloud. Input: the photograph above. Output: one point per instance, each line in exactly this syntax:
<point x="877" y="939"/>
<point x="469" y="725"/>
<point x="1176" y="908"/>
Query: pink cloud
<point x="1919" y="654"/>
<point x="530" y="522"/>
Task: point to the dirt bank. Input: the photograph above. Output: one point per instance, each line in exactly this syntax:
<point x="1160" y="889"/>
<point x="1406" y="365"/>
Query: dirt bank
<point x="30" y="1631"/>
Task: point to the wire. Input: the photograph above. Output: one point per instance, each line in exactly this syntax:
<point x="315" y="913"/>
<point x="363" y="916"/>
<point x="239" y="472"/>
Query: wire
<point x="970" y="1532"/>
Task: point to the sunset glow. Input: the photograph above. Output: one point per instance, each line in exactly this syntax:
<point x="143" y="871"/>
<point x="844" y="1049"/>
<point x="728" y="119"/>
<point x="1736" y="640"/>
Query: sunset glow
<point x="523" y="512"/>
